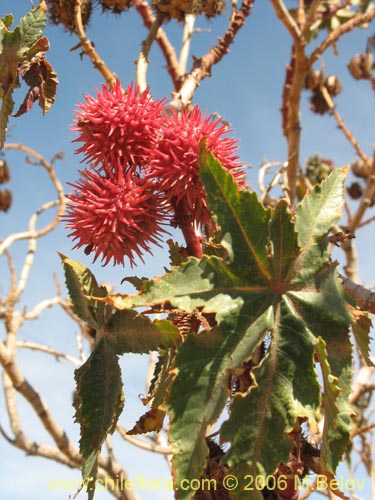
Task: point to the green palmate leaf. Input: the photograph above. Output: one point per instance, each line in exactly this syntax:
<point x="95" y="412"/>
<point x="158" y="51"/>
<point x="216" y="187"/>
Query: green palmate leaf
<point x="128" y="331"/>
<point x="22" y="55"/>
<point x="98" y="402"/>
<point x="273" y="302"/>
<point x="242" y="220"/>
<point x="82" y="284"/>
<point x="337" y="423"/>
<point x="361" y="331"/>
<point x="316" y="215"/>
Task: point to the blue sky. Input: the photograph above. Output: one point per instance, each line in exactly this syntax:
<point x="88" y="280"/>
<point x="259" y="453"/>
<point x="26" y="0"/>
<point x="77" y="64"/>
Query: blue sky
<point x="245" y="89"/>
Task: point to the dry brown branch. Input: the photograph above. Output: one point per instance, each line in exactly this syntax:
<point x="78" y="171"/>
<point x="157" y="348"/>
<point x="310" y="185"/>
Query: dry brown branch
<point x="362" y="430"/>
<point x="155" y="448"/>
<point x="334" y="35"/>
<point x="366" y="199"/>
<point x="362" y="383"/>
<point x="22" y="344"/>
<point x="284" y="15"/>
<point x="142" y="63"/>
<point x="364" y="298"/>
<point x="88" y="48"/>
<point x="202" y="66"/>
<point x="22" y="386"/>
<point x="186" y="42"/>
<point x="367" y="221"/>
<point x="341" y="125"/>
<point x="167" y="49"/>
<point x="297" y="70"/>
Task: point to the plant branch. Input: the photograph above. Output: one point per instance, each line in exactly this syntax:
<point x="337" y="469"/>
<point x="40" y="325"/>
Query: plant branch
<point x="296" y="73"/>
<point x="202" y="66"/>
<point x="364" y="298"/>
<point x="366" y="199"/>
<point x="167" y="49"/>
<point x="88" y="48"/>
<point x="283" y="14"/>
<point x="49" y="350"/>
<point x="155" y="448"/>
<point x="186" y="42"/>
<point x="22" y="386"/>
<point x="341" y="125"/>
<point x="339" y="31"/>
<point x="142" y="63"/>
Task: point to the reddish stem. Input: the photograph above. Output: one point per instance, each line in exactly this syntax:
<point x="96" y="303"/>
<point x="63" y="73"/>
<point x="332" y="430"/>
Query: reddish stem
<point x="185" y="222"/>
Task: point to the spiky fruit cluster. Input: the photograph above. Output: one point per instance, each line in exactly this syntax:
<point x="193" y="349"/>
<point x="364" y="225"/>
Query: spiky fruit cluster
<point x="118" y="129"/>
<point x="174" y="163"/>
<point x="144" y="172"/>
<point x="62" y="12"/>
<point x="177" y="9"/>
<point x="114" y="219"/>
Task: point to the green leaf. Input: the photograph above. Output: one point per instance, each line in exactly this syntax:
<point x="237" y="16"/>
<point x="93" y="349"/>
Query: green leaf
<point x="241" y="218"/>
<point x="98" y="402"/>
<point x="337" y="424"/>
<point x="82" y="284"/>
<point x="128" y="331"/>
<point x="315" y="216"/>
<point x="361" y="331"/>
<point x="22" y="54"/>
<point x="273" y="301"/>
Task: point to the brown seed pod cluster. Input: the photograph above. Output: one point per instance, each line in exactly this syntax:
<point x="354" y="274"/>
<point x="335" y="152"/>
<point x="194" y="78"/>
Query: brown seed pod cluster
<point x="4" y="172"/>
<point x="315" y="81"/>
<point x="177" y="9"/>
<point x="5" y="195"/>
<point x="62" y="12"/>
<point x="355" y="190"/>
<point x="5" y="200"/>
<point x="361" y="169"/>
<point x="115" y="6"/>
<point x="361" y="66"/>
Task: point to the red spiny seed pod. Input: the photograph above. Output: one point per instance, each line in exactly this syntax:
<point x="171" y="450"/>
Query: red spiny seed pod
<point x="4" y="172"/>
<point x="175" y="161"/>
<point x="115" y="220"/>
<point x="5" y="200"/>
<point x="118" y="128"/>
<point x="62" y="12"/>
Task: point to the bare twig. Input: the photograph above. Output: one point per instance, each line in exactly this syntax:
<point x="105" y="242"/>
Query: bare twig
<point x="339" y="31"/>
<point x="88" y="47"/>
<point x="186" y="41"/>
<point x="202" y="66"/>
<point x="167" y="49"/>
<point x="155" y="448"/>
<point x="22" y="386"/>
<point x="366" y="199"/>
<point x="364" y="298"/>
<point x="284" y="15"/>
<point x="341" y="125"/>
<point x="142" y="63"/>
<point x="48" y="350"/>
